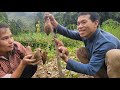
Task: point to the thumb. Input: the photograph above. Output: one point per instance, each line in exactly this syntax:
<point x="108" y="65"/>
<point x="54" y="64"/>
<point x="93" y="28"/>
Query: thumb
<point x="28" y="50"/>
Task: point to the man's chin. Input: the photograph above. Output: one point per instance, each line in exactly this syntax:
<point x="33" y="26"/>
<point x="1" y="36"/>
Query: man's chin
<point x="82" y="36"/>
<point x="10" y="49"/>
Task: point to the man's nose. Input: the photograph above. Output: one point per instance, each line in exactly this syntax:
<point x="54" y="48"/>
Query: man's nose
<point x="80" y="26"/>
<point x="10" y="40"/>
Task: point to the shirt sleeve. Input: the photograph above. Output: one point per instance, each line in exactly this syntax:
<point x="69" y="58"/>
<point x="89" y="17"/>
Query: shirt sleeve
<point x="68" y="33"/>
<point x="96" y="62"/>
<point x="21" y="48"/>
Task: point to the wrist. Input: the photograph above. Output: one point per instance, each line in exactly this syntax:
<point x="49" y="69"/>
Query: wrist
<point x="23" y="63"/>
<point x="55" y="23"/>
<point x="66" y="59"/>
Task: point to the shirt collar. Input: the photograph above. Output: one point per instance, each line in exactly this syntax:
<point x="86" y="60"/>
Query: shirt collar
<point x="5" y="58"/>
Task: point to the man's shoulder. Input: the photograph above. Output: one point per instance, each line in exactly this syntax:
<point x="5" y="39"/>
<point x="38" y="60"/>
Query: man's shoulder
<point x="19" y="48"/>
<point x="107" y="36"/>
<point x="18" y="45"/>
<point x="102" y="31"/>
<point x="106" y="33"/>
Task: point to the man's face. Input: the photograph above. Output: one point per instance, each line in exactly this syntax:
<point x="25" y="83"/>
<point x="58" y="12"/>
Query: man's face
<point x="85" y="26"/>
<point x="6" y="40"/>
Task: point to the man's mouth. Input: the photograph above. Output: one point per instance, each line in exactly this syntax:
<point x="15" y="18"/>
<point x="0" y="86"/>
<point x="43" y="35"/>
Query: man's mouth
<point x="82" y="31"/>
<point x="11" y="46"/>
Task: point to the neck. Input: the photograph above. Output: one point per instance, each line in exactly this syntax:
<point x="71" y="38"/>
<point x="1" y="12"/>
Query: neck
<point x="91" y="34"/>
<point x="3" y="54"/>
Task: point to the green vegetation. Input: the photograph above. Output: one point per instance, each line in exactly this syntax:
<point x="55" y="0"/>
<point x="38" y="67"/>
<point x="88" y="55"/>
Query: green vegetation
<point x="45" y="42"/>
<point x="112" y="27"/>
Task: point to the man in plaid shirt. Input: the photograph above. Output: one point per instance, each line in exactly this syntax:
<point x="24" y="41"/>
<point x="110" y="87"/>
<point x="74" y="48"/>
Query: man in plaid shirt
<point x="15" y="59"/>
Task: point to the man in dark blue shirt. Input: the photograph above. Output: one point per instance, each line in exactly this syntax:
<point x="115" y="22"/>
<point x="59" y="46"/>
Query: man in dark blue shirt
<point x="100" y="47"/>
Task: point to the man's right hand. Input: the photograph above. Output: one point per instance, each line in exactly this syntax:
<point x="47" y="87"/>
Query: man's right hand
<point x="58" y="42"/>
<point x="52" y="19"/>
<point x="28" y="60"/>
<point x="63" y="53"/>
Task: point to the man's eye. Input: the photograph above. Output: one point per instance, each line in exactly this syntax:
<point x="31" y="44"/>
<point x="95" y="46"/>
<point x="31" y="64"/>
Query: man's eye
<point x="83" y="22"/>
<point x="78" y="23"/>
<point x="5" y="38"/>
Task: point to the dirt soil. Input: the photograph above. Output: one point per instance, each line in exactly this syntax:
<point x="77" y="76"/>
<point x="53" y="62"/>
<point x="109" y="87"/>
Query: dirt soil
<point x="50" y="70"/>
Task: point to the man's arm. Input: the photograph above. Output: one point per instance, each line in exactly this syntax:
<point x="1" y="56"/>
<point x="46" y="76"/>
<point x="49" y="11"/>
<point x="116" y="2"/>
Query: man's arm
<point x="68" y="33"/>
<point x="96" y="62"/>
<point x="26" y="61"/>
<point x="90" y="69"/>
<point x="62" y="30"/>
<point x="17" y="73"/>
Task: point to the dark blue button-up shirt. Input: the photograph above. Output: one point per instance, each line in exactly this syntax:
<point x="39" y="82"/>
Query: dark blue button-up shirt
<point x="97" y="45"/>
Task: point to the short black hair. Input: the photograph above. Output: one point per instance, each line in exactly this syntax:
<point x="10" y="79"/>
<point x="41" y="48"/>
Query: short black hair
<point x="4" y="25"/>
<point x="93" y="15"/>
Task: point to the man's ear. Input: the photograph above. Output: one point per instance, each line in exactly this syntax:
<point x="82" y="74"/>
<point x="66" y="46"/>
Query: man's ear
<point x="96" y="23"/>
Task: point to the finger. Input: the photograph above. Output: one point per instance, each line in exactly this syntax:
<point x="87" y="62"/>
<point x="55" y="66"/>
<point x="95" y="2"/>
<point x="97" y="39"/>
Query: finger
<point x="59" y="48"/>
<point x="47" y="15"/>
<point x="30" y="60"/>
<point x="56" y="41"/>
<point x="60" y="54"/>
<point x="63" y="52"/>
<point x="35" y="63"/>
<point x="28" y="48"/>
<point x="28" y="56"/>
<point x="51" y="17"/>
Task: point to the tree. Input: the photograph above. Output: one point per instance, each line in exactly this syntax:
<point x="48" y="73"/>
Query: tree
<point x="15" y="26"/>
<point x="109" y="15"/>
<point x="3" y="17"/>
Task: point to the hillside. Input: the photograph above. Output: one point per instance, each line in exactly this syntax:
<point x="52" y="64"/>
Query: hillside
<point x="27" y="18"/>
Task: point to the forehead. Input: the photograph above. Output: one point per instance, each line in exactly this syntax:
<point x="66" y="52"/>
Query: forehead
<point x="84" y="17"/>
<point x="4" y="31"/>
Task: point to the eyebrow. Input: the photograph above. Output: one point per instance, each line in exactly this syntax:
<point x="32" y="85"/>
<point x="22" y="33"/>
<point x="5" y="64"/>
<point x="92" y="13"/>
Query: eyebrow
<point x="6" y="36"/>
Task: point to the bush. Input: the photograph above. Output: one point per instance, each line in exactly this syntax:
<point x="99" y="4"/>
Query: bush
<point x="112" y="27"/>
